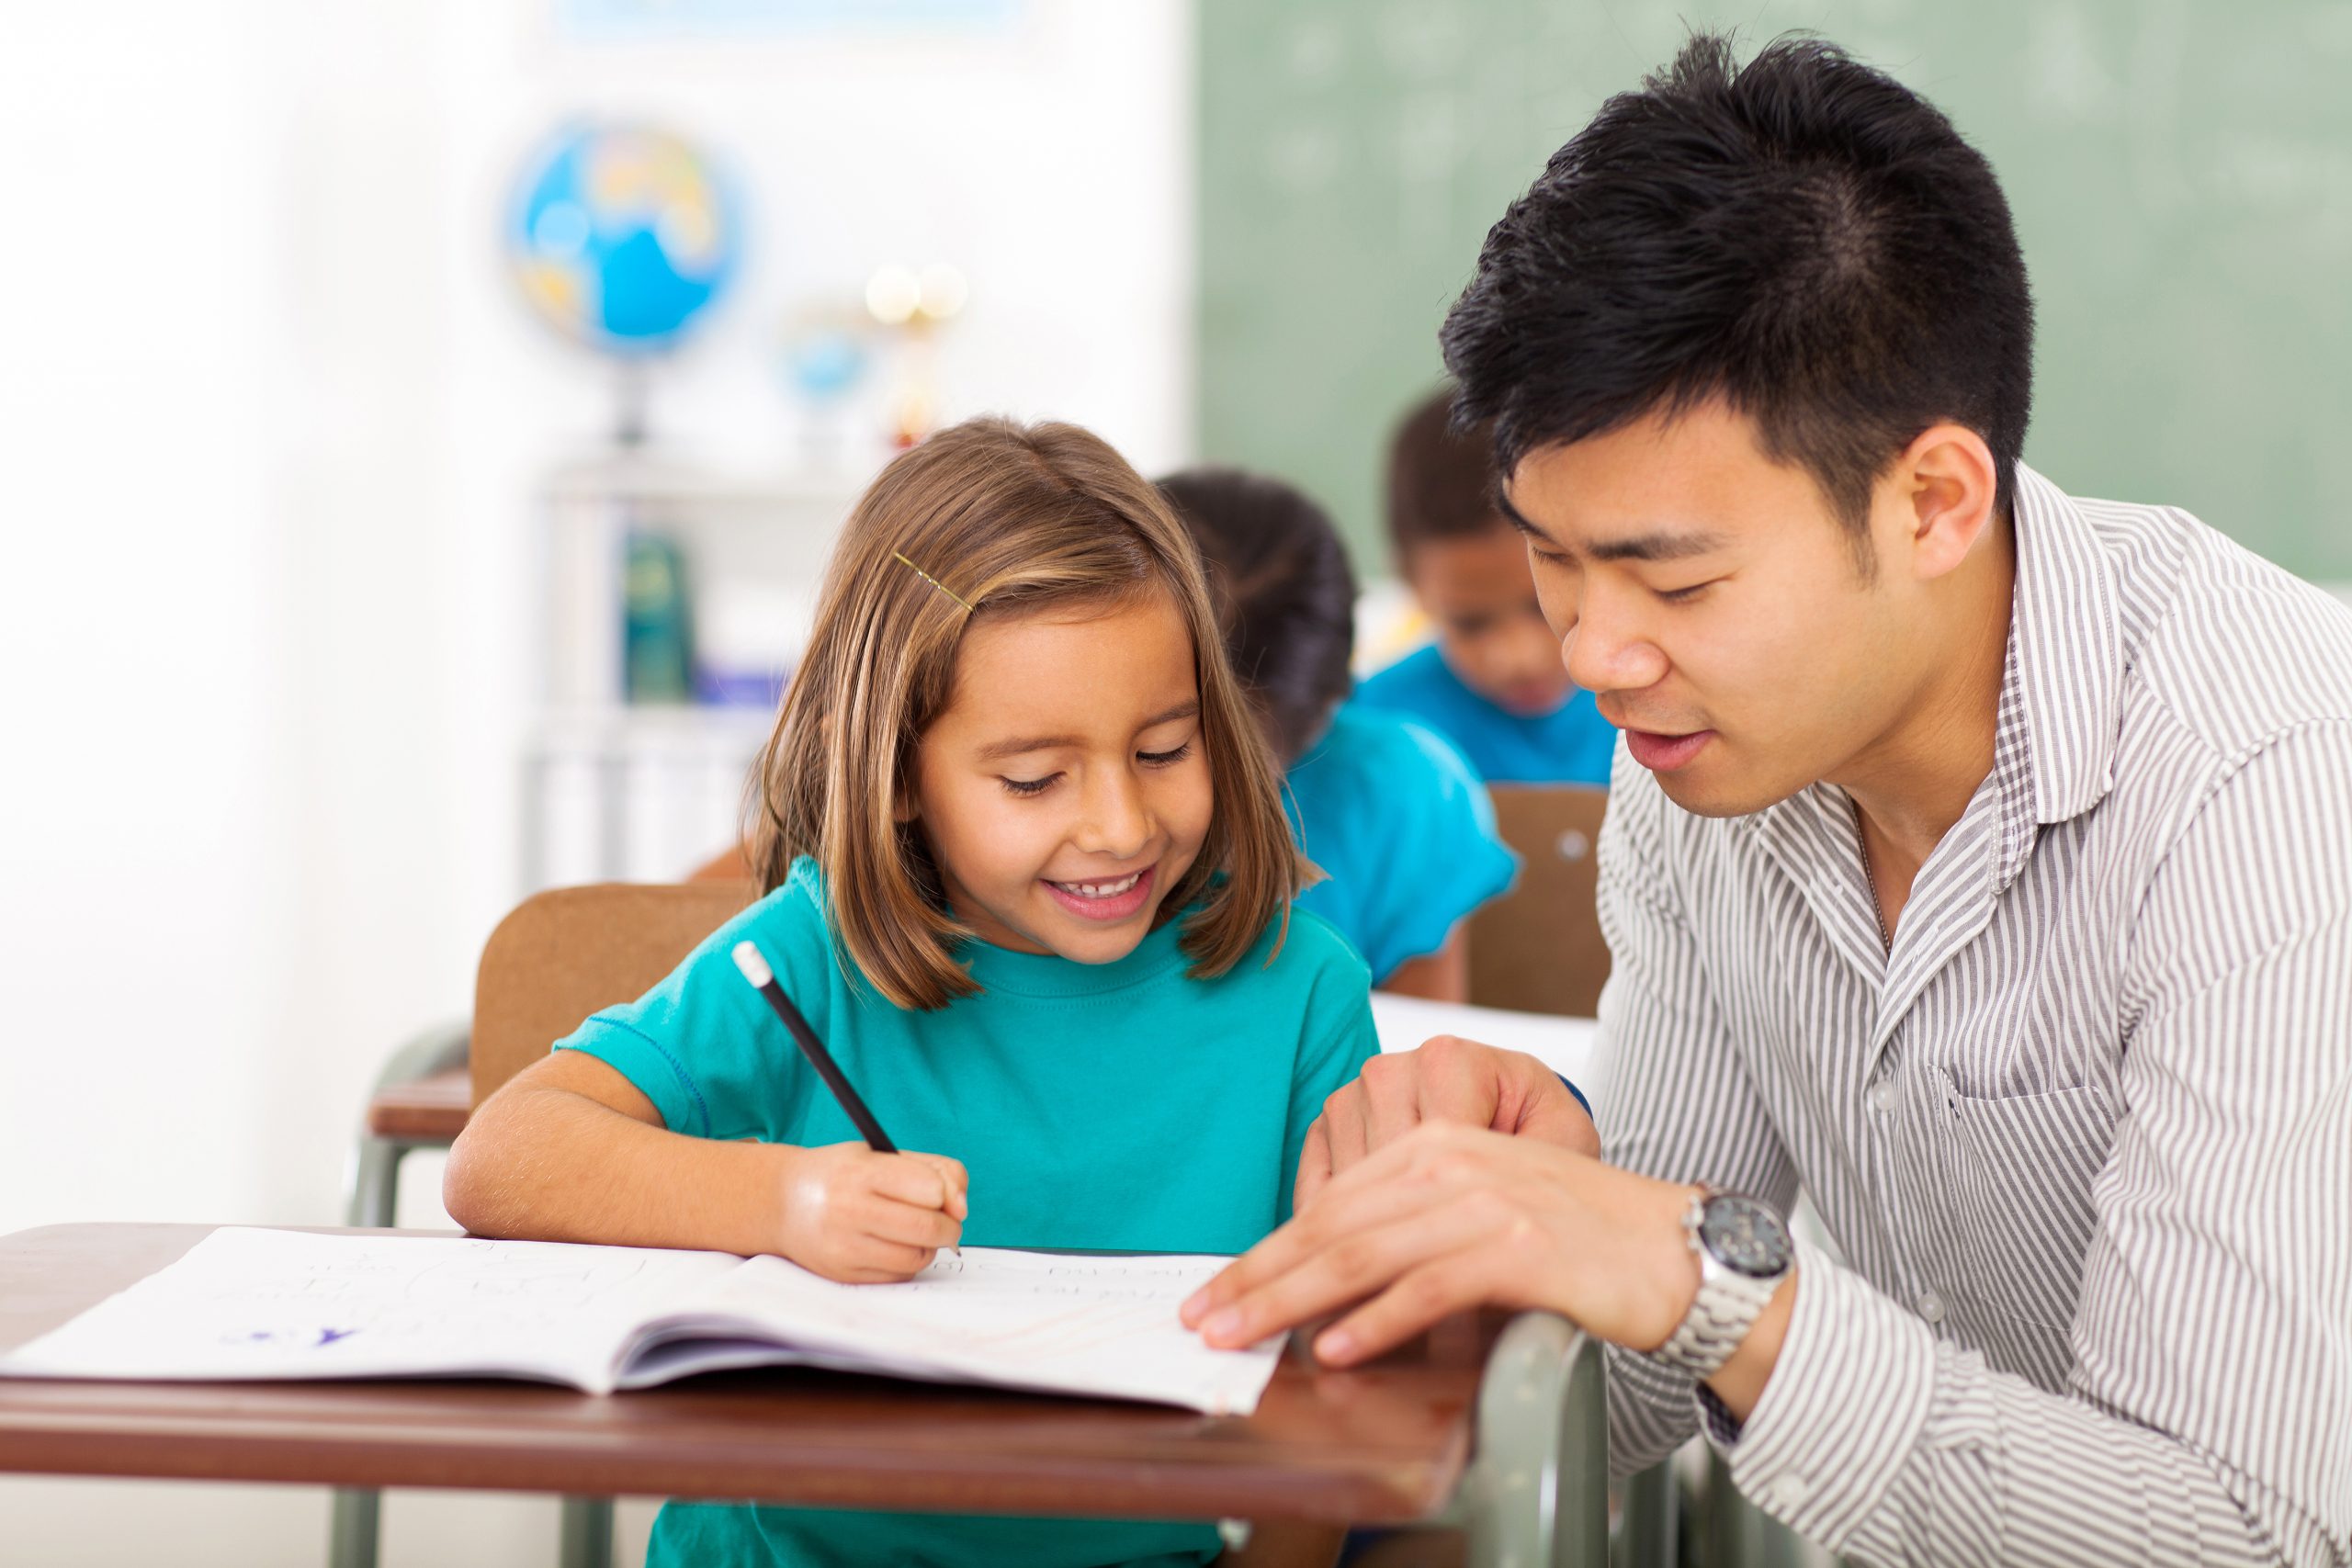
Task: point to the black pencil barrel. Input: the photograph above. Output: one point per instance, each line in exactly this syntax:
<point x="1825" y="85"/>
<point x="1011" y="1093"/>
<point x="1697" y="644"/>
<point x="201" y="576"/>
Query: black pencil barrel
<point x="823" y="1060"/>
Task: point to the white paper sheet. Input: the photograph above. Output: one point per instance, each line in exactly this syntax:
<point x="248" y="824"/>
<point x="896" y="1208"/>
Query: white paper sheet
<point x="1064" y="1323"/>
<point x="248" y="1303"/>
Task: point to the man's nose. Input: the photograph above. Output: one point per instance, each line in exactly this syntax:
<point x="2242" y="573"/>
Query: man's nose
<point x="1610" y="646"/>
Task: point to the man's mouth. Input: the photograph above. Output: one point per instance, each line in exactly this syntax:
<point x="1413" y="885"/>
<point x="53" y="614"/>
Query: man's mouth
<point x="1105" y="898"/>
<point x="1661" y="752"/>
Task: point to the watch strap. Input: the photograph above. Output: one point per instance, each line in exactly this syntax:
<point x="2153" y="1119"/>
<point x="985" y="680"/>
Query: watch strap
<point x="1726" y="1307"/>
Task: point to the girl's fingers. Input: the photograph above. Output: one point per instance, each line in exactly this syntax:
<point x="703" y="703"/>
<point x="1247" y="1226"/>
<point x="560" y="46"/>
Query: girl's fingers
<point x="878" y="1261"/>
<point x="918" y="1180"/>
<point x="957" y="1180"/>
<point x="908" y="1224"/>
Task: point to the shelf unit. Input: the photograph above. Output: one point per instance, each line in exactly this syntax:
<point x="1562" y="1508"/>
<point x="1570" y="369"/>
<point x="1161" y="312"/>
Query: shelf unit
<point x="614" y="791"/>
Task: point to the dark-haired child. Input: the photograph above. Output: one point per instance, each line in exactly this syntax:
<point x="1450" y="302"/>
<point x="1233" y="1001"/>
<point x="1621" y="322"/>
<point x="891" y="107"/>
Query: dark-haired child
<point x="1493" y="681"/>
<point x="1389" y="809"/>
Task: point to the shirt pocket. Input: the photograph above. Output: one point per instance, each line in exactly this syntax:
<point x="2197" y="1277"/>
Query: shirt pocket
<point x="2022" y="1167"/>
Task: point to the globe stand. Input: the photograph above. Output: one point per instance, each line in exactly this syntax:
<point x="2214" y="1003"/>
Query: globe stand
<point x="632" y="391"/>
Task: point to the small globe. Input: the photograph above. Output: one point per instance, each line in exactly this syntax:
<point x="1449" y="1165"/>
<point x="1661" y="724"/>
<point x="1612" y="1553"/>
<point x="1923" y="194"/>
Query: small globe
<point x="621" y="235"/>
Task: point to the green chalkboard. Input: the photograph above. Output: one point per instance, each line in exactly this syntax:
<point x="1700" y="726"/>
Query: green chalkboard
<point x="2181" y="173"/>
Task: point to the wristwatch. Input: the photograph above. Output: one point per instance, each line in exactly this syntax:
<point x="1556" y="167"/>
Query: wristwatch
<point x="1744" y="1250"/>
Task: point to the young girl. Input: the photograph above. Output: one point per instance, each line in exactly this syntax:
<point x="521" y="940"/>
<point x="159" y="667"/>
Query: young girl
<point x="1389" y="810"/>
<point x="1027" y="874"/>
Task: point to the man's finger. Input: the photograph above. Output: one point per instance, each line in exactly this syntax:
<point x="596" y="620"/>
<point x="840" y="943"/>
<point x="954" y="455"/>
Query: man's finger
<point x="1556" y="1117"/>
<point x="1314" y="1167"/>
<point x="1418" y="1298"/>
<point x="1462" y="1080"/>
<point x="1362" y="1261"/>
<point x="1343" y="1130"/>
<point x="1392" y="1098"/>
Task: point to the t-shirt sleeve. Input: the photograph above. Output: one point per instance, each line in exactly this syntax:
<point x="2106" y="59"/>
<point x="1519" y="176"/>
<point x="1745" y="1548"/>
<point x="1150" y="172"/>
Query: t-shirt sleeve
<point x="702" y="1044"/>
<point x="1336" y="1040"/>
<point x="1444" y="857"/>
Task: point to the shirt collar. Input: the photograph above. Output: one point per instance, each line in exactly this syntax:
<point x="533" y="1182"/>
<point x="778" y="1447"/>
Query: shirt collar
<point x="2062" y="685"/>
<point x="2065" y="657"/>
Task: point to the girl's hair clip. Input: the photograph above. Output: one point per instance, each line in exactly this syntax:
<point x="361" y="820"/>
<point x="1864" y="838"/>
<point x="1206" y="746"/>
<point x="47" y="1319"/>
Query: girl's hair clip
<point x="932" y="581"/>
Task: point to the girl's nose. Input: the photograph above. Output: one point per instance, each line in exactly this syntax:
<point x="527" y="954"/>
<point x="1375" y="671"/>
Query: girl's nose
<point x="1115" y="822"/>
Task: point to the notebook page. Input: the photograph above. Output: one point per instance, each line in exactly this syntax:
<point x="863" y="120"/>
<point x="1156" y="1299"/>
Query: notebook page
<point x="265" y="1303"/>
<point x="1055" y="1322"/>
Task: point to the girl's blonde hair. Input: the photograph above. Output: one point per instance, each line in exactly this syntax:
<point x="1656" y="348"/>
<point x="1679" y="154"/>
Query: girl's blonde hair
<point x="1008" y="519"/>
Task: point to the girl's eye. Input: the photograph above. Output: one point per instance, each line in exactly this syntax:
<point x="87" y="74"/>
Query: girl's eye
<point x="1028" y="786"/>
<point x="1164" y="759"/>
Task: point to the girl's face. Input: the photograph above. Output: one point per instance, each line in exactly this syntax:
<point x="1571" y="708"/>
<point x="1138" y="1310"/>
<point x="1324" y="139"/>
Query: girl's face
<point x="1063" y="791"/>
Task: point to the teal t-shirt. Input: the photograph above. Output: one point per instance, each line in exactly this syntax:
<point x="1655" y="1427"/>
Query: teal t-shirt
<point x="1572" y="744"/>
<point x="1405" y="831"/>
<point x="1121" y="1106"/>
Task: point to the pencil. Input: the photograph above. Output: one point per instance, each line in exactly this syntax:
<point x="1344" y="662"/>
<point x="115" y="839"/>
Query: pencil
<point x="755" y="969"/>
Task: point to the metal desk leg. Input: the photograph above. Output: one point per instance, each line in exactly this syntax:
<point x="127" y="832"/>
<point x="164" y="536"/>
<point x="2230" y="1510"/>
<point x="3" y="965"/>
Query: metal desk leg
<point x="1647" y="1517"/>
<point x="355" y="1518"/>
<point x="1537" y="1493"/>
<point x="587" y="1541"/>
<point x="1736" y="1533"/>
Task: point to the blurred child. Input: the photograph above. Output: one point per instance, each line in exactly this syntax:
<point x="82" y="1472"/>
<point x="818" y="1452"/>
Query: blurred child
<point x="1493" y="682"/>
<point x="1388" y="808"/>
<point x="1028" y="876"/>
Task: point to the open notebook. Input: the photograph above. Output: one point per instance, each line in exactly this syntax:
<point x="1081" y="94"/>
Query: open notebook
<point x="263" y="1304"/>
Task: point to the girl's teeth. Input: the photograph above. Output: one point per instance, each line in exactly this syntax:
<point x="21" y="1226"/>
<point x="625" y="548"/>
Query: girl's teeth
<point x="1102" y="889"/>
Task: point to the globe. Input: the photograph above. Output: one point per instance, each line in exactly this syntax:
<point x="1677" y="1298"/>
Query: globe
<point x="621" y="235"/>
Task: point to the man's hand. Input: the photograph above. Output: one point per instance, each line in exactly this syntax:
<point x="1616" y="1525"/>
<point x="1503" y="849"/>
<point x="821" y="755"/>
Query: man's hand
<point x="1449" y="1217"/>
<point x="1447" y="1080"/>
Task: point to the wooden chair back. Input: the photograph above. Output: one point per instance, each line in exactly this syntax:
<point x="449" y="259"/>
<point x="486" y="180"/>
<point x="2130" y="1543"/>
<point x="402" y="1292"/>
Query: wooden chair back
<point x="562" y="955"/>
<point x="1538" y="948"/>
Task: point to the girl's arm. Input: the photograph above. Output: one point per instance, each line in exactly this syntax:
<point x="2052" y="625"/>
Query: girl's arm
<point x="570" y="1150"/>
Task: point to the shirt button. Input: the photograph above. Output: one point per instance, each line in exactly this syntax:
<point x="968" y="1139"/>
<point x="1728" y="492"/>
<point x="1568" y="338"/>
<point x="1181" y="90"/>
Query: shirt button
<point x="1931" y="1306"/>
<point x="1883" y="1096"/>
<point x="1787" y="1493"/>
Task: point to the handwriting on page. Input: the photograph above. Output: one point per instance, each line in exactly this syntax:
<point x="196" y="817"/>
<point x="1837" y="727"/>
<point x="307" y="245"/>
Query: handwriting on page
<point x="273" y="1303"/>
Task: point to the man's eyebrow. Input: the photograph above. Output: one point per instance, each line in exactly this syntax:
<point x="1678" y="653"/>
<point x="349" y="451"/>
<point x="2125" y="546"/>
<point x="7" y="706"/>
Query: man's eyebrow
<point x="1658" y="545"/>
<point x="996" y="750"/>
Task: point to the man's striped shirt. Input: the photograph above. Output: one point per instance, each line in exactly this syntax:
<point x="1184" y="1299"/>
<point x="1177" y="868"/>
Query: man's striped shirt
<point x="2084" y="1139"/>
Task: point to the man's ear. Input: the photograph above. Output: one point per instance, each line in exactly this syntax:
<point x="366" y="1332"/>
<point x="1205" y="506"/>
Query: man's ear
<point x="1949" y="482"/>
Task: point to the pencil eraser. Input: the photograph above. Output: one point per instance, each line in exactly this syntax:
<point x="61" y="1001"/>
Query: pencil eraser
<point x="755" y="969"/>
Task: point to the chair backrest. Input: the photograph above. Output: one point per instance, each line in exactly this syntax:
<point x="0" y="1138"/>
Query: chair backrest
<point x="560" y="955"/>
<point x="1538" y="948"/>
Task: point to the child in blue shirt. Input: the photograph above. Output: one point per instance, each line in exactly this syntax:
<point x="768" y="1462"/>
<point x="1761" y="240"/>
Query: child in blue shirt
<point x="1028" y="876"/>
<point x="1388" y="810"/>
<point x="1493" y="682"/>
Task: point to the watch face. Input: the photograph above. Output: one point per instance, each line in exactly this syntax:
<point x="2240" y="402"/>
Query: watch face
<point x="1746" y="1234"/>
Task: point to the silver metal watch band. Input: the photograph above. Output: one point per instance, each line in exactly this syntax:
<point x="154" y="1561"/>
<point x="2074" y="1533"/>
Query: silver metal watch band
<point x="1725" y="1308"/>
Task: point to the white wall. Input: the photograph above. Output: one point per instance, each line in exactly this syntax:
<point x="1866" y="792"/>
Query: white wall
<point x="272" y="419"/>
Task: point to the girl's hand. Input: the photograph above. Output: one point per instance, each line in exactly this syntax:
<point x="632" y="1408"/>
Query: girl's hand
<point x="865" y="1218"/>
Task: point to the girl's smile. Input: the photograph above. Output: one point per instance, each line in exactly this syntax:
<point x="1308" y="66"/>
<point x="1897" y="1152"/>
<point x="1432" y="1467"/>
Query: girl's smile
<point x="1063" y="790"/>
<point x="1117" y="898"/>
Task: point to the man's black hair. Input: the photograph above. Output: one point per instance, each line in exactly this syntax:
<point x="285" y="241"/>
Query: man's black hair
<point x="1285" y="596"/>
<point x="1803" y="237"/>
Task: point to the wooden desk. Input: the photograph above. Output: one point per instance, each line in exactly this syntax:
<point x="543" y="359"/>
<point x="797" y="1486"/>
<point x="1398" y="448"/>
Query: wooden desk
<point x="1495" y="1426"/>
